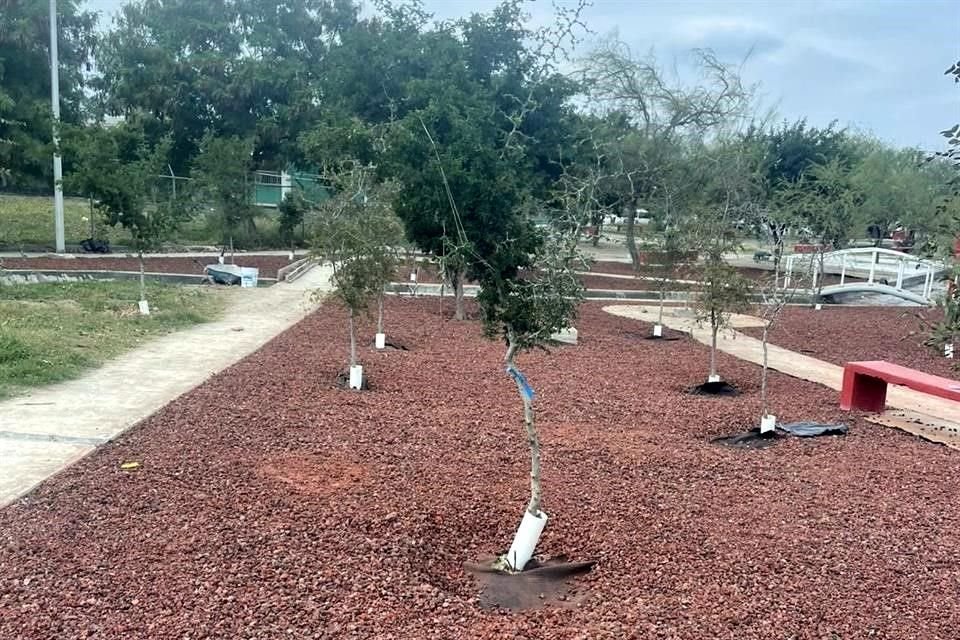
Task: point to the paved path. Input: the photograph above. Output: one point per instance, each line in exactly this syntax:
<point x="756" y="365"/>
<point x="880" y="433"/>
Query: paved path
<point x="51" y="427"/>
<point x="784" y="360"/>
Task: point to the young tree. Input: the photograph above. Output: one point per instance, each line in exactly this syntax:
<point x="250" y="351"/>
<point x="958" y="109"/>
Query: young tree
<point x="525" y="305"/>
<point x="117" y="168"/>
<point x="223" y="171"/>
<point x="291" y="212"/>
<point x="728" y="190"/>
<point x="775" y="296"/>
<point x="724" y="292"/>
<point x="352" y="231"/>
<point x="673" y="253"/>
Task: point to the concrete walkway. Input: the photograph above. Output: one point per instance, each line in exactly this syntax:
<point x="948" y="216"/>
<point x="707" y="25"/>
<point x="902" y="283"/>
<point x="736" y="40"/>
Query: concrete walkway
<point x="790" y="362"/>
<point x="51" y="427"/>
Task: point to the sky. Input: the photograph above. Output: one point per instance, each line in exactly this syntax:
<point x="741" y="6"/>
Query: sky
<point x="873" y="65"/>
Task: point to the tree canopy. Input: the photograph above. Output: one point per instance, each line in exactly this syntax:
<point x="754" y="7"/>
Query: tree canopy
<point x="26" y="123"/>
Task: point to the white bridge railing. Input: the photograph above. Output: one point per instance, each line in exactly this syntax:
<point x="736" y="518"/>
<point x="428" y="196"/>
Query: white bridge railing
<point x="874" y="269"/>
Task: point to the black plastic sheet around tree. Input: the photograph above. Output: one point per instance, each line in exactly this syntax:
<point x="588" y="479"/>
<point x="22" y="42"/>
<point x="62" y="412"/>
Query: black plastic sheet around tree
<point x="813" y="429"/>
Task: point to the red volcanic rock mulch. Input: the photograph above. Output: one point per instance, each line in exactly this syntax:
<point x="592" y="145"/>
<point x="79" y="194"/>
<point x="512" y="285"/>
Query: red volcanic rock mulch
<point x="272" y="504"/>
<point x="841" y="334"/>
<point x="268" y="265"/>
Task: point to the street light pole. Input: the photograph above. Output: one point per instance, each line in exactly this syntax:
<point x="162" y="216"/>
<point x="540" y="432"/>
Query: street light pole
<point x="55" y="103"/>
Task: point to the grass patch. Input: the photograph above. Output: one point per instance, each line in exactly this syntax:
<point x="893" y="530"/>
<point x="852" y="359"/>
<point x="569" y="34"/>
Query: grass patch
<point x="28" y="220"/>
<point x="52" y="332"/>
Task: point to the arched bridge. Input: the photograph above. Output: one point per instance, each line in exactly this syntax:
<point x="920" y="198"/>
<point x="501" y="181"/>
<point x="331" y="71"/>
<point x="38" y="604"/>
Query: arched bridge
<point x="870" y="270"/>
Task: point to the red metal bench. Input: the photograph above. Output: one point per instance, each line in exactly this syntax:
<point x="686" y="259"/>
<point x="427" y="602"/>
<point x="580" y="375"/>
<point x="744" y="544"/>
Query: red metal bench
<point x="865" y="384"/>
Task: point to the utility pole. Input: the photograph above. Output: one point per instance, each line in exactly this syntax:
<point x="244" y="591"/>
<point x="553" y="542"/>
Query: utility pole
<point x="57" y="160"/>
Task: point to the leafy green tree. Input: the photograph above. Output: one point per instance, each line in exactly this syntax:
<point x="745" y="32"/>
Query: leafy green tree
<point x="236" y="68"/>
<point x="947" y="230"/>
<point x="825" y="200"/>
<point x="782" y="156"/>
<point x="119" y="170"/>
<point x="222" y="170"/>
<point x="291" y="212"/>
<point x="454" y="114"/>
<point x="898" y="188"/>
<point x="26" y="123"/>
<point x="353" y="231"/>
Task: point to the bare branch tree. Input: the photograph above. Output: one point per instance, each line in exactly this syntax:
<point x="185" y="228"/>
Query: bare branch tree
<point x="663" y="110"/>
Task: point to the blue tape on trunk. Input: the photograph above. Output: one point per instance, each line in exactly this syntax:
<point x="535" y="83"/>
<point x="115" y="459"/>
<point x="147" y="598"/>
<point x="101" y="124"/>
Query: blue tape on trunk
<point x="525" y="387"/>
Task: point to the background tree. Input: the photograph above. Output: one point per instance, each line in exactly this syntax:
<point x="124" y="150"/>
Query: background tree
<point x="118" y="169"/>
<point x="26" y="122"/>
<point x="825" y="201"/>
<point x="944" y="239"/>
<point x="775" y="295"/>
<point x="222" y="170"/>
<point x="457" y="114"/>
<point x="250" y="69"/>
<point x="947" y="232"/>
<point x="663" y="112"/>
<point x="783" y="155"/>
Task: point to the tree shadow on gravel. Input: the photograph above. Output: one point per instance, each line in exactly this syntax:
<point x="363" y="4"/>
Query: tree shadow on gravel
<point x="721" y="388"/>
<point x="343" y="381"/>
<point x="389" y="346"/>
<point x="537" y="585"/>
<point x="751" y="439"/>
<point x="668" y="336"/>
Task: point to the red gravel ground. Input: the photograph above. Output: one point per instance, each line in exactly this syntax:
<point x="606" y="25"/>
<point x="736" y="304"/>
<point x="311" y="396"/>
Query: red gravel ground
<point x="841" y="334"/>
<point x="268" y="265"/>
<point x="272" y="504"/>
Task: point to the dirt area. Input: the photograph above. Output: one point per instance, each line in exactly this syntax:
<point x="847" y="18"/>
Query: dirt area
<point x="841" y="334"/>
<point x="269" y="503"/>
<point x="268" y="265"/>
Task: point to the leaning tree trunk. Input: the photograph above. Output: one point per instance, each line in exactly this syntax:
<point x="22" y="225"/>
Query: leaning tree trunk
<point x="663" y="295"/>
<point x="819" y="274"/>
<point x="456" y="279"/>
<point x="353" y="341"/>
<point x="143" y="282"/>
<point x="232" y="261"/>
<point x="533" y="438"/>
<point x="380" y="313"/>
<point x="777" y="248"/>
<point x="668" y="271"/>
<point x="632" y="237"/>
